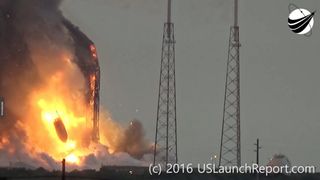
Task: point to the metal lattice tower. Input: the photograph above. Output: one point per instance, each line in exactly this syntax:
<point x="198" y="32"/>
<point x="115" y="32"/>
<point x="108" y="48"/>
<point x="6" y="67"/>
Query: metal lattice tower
<point x="165" y="150"/>
<point x="89" y="65"/>
<point x="96" y="104"/>
<point x="230" y="148"/>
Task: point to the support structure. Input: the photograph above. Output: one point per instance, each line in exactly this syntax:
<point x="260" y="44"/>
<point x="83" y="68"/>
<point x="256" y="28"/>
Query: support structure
<point x="94" y="102"/>
<point x="88" y="62"/>
<point x="257" y="150"/>
<point x="1" y="107"/>
<point x="230" y="147"/>
<point x="165" y="150"/>
<point x="63" y="169"/>
<point x="94" y="92"/>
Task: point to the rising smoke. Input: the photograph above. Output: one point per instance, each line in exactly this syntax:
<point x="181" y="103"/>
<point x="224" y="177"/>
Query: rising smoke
<point x="38" y="65"/>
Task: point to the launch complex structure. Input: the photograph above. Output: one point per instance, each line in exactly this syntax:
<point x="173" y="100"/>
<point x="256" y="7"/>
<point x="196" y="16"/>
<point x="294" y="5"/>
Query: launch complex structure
<point x="230" y="147"/>
<point x="165" y="150"/>
<point x="87" y="60"/>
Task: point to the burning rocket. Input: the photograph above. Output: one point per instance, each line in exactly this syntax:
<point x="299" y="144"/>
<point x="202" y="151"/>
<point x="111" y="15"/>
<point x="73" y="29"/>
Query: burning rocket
<point x="60" y="129"/>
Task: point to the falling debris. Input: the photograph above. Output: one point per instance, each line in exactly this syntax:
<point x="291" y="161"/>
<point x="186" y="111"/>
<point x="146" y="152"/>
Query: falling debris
<point x="60" y="129"/>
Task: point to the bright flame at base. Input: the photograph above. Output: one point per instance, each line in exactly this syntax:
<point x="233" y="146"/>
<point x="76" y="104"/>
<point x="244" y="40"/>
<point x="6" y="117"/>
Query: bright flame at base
<point x="73" y="159"/>
<point x="62" y="99"/>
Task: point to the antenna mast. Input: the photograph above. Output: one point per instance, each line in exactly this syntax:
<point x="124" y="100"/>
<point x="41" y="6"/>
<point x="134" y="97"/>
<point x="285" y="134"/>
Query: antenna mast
<point x="235" y="13"/>
<point x="169" y="12"/>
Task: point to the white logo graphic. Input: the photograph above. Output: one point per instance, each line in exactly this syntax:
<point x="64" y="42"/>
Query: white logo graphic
<point x="300" y="20"/>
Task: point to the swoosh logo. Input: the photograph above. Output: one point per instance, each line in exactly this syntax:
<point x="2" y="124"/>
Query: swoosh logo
<point x="298" y="25"/>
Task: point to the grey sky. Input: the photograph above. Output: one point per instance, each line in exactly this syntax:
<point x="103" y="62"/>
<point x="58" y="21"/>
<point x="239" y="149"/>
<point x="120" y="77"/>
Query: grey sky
<point x="279" y="71"/>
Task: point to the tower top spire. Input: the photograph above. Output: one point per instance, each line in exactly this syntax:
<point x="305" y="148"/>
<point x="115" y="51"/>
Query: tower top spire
<point x="235" y="13"/>
<point x="169" y="12"/>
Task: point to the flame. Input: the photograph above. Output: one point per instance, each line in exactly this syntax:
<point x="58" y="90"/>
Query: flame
<point x="72" y="159"/>
<point x="58" y="99"/>
<point x="92" y="90"/>
<point x="93" y="50"/>
<point x="3" y="141"/>
<point x="67" y="95"/>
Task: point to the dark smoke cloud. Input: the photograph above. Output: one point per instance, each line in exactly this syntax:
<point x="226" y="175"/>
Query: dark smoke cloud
<point x="15" y="67"/>
<point x="135" y="143"/>
<point x="24" y="23"/>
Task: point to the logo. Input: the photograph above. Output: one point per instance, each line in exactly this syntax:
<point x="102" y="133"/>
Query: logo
<point x="300" y="20"/>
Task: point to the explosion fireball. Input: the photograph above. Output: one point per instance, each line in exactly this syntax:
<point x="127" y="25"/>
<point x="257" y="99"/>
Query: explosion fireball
<point x="49" y="94"/>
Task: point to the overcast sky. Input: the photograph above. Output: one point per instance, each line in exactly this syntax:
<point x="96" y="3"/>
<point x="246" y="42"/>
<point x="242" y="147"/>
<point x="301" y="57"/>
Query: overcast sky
<point x="280" y="82"/>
